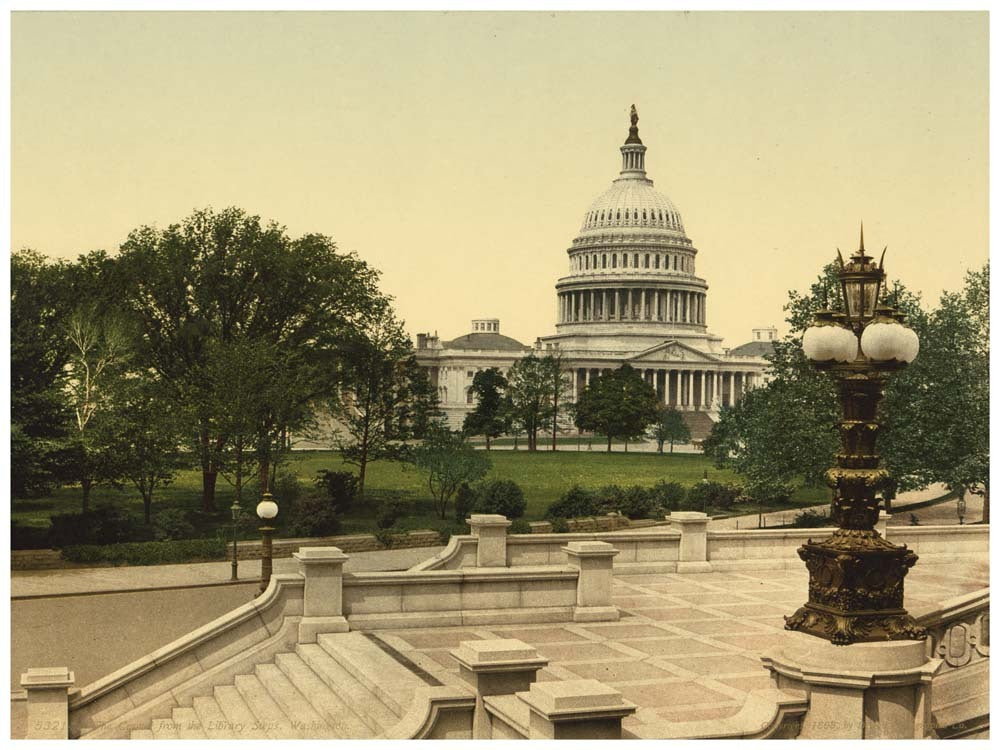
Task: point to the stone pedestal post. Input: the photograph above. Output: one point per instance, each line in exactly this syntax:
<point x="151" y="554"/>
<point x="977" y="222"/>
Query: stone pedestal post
<point x="882" y="525"/>
<point x="575" y="710"/>
<point x="47" y="691"/>
<point x="873" y="690"/>
<point x="323" y="595"/>
<point x="594" y="560"/>
<point x="498" y="667"/>
<point x="693" y="557"/>
<point x="491" y="533"/>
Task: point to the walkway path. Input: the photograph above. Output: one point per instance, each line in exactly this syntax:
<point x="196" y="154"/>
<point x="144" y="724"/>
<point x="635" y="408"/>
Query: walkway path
<point x="784" y="517"/>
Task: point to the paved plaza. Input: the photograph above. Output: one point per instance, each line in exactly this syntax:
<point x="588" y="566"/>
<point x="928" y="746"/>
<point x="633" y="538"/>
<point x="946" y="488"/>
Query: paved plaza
<point x="687" y="646"/>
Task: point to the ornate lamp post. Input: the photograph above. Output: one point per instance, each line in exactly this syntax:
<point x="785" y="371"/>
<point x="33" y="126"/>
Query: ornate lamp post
<point x="856" y="575"/>
<point x="267" y="509"/>
<point x="961" y="509"/>
<point x="235" y="510"/>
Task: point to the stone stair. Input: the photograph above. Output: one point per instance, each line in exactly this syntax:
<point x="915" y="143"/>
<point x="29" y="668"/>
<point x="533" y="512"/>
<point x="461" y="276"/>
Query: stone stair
<point x="699" y="424"/>
<point x="342" y="686"/>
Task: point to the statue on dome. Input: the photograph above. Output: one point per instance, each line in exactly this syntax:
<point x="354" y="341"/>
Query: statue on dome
<point x="634" y="117"/>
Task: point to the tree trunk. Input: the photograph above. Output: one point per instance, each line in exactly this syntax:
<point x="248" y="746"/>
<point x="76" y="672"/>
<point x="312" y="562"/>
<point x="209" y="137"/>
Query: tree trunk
<point x="609" y="444"/>
<point x="487" y="442"/>
<point x="986" y="506"/>
<point x="671" y="446"/>
<point x="147" y="506"/>
<point x="85" y="484"/>
<point x="208" y="474"/>
<point x="265" y="475"/>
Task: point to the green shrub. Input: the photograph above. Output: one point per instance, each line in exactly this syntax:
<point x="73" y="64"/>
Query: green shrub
<point x="711" y="495"/>
<point x="147" y="553"/>
<point x="501" y="496"/>
<point x="448" y="530"/>
<point x="388" y="510"/>
<point x="313" y="515"/>
<point x="639" y="502"/>
<point x="288" y="490"/>
<point x="385" y="536"/>
<point x="103" y="525"/>
<point x="341" y="487"/>
<point x="559" y="525"/>
<point x="576" y="503"/>
<point x="172" y="523"/>
<point x="770" y="493"/>
<point x="669" y="495"/>
<point x="811" y="519"/>
<point x="28" y="537"/>
<point x="520" y="526"/>
<point x="465" y="502"/>
<point x="607" y="499"/>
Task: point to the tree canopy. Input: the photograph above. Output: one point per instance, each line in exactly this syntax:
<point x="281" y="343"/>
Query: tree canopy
<point x="619" y="404"/>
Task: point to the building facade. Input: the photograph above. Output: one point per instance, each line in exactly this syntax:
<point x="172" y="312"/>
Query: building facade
<point x="631" y="296"/>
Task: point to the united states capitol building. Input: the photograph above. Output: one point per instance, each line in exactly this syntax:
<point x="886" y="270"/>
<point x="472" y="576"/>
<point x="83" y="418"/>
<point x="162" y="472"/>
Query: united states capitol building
<point x="632" y="295"/>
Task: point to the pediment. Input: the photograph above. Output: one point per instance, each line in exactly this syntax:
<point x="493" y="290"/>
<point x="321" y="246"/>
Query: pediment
<point x="670" y="352"/>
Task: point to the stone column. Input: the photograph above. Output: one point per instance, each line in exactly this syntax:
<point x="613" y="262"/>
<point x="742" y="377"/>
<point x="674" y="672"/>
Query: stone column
<point x="642" y="304"/>
<point x="495" y="667"/>
<point x="491" y="533"/>
<point x="617" y="308"/>
<point x="575" y="710"/>
<point x="593" y="304"/>
<point x="47" y="690"/>
<point x="593" y="589"/>
<point x="323" y="595"/>
<point x="693" y="556"/>
<point x="628" y="313"/>
<point x="878" y="690"/>
<point x="691" y="390"/>
<point x="717" y="391"/>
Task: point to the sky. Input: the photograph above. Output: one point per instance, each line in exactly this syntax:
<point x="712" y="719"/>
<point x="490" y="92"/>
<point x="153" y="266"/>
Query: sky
<point x="458" y="152"/>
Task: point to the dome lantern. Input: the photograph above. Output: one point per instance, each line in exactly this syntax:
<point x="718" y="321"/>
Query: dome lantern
<point x="633" y="152"/>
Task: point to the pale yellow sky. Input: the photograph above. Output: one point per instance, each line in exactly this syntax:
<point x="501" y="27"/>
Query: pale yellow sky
<point x="458" y="152"/>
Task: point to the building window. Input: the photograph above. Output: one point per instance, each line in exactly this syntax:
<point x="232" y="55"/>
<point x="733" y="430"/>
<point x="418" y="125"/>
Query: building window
<point x="470" y="374"/>
<point x="624" y="260"/>
<point x="614" y="260"/>
<point x="647" y="261"/>
<point x="635" y="260"/>
<point x="675" y="262"/>
<point x="586" y="262"/>
<point x="604" y="260"/>
<point x="656" y="261"/>
<point x="468" y="395"/>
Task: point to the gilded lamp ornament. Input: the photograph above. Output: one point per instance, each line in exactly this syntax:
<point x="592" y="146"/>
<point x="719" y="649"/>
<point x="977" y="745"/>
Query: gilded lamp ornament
<point x="856" y="575"/>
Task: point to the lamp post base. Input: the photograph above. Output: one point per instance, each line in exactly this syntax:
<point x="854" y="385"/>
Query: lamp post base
<point x="856" y="589"/>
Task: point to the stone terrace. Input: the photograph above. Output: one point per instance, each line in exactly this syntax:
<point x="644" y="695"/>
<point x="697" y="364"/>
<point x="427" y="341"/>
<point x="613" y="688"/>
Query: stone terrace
<point x="687" y="646"/>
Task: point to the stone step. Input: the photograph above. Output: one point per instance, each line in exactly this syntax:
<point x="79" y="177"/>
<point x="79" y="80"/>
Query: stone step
<point x="343" y="722"/>
<point x="142" y="734"/>
<point x="385" y="677"/>
<point x="188" y="724"/>
<point x="268" y="714"/>
<point x="164" y="729"/>
<point x="242" y="724"/>
<point x="375" y="714"/>
<point x="213" y="720"/>
<point x="300" y="716"/>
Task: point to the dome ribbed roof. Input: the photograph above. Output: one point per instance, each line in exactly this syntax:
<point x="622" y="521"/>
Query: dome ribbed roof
<point x="632" y="202"/>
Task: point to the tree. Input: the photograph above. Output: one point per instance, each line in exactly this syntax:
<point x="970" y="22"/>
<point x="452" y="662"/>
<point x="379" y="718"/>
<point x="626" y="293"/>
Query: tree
<point x="490" y="417"/>
<point x="386" y="397"/>
<point x="530" y="396"/>
<point x="216" y="277"/>
<point x="560" y="388"/>
<point x="144" y="436"/>
<point x="669" y="426"/>
<point x="620" y="404"/>
<point x="449" y="462"/>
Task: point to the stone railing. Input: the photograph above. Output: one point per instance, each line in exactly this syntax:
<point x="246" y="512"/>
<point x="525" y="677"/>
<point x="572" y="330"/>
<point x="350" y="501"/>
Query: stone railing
<point x="687" y="545"/>
<point x="959" y="635"/>
<point x="295" y="608"/>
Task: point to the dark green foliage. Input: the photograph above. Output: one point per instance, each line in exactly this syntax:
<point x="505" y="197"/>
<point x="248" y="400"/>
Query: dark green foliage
<point x="638" y="502"/>
<point x="503" y="497"/>
<point x="491" y="417"/>
<point x="810" y="519"/>
<point x="147" y="553"/>
<point x="313" y="515"/>
<point x="465" y="502"/>
<point x="341" y="487"/>
<point x="449" y="461"/>
<point x="576" y="503"/>
<point x="172" y="523"/>
<point x="769" y="493"/>
<point x="389" y="510"/>
<point x="519" y="526"/>
<point x="669" y="495"/>
<point x="559" y="525"/>
<point x="102" y="525"/>
<point x="712" y="495"/>
<point x="669" y="427"/>
<point x="619" y="405"/>
<point x="288" y="490"/>
<point x="28" y="537"/>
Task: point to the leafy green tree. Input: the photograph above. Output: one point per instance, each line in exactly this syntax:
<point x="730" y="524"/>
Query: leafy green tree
<point x="669" y="427"/>
<point x="385" y="396"/>
<point x="560" y="389"/>
<point x="217" y="277"/>
<point x="449" y="462"/>
<point x="490" y="418"/>
<point x="530" y="396"/>
<point x="620" y="404"/>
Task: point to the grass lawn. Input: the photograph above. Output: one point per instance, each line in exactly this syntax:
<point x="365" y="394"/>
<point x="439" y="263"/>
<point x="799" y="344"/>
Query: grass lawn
<point x="543" y="476"/>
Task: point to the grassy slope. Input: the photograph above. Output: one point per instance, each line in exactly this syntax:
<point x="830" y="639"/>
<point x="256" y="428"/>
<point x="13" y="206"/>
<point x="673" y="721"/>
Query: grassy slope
<point x="543" y="476"/>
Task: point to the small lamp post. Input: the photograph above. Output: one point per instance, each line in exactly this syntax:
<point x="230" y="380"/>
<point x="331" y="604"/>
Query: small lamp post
<point x="961" y="509"/>
<point x="267" y="509"/>
<point x="856" y="575"/>
<point x="235" y="510"/>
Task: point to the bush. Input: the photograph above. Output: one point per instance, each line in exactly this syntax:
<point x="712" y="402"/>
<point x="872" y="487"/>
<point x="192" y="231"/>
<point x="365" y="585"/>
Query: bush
<point x="811" y="519"/>
<point x="313" y="515"/>
<point x="341" y="488"/>
<point x="147" y="553"/>
<point x="607" y="499"/>
<point x="559" y="525"/>
<point x="103" y="525"/>
<point x="172" y="523"/>
<point x="669" y="495"/>
<point x="503" y="497"/>
<point x="384" y="536"/>
<point x="639" y="502"/>
<point x="465" y="502"/>
<point x="28" y="537"/>
<point x="520" y="526"/>
<point x="388" y="510"/>
<point x="770" y="493"/>
<point x="448" y="530"/>
<point x="288" y="491"/>
<point x="711" y="495"/>
<point x="576" y="503"/>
